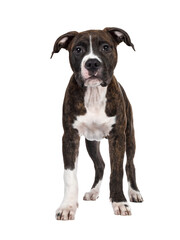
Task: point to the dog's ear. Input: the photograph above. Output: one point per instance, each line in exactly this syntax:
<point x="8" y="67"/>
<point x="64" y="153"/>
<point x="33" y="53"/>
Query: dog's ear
<point x="63" y="42"/>
<point x="119" y="36"/>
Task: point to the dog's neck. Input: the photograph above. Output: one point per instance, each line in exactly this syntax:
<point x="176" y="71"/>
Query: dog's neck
<point x="95" y="98"/>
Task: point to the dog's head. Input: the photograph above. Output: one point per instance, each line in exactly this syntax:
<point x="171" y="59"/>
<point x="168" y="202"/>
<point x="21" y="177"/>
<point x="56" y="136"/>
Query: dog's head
<point x="93" y="54"/>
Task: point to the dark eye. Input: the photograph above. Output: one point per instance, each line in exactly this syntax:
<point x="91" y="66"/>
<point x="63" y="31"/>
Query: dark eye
<point x="106" y="48"/>
<point x="78" y="50"/>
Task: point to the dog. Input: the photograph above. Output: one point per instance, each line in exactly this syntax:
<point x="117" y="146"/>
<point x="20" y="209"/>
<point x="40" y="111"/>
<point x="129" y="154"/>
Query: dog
<point x="96" y="107"/>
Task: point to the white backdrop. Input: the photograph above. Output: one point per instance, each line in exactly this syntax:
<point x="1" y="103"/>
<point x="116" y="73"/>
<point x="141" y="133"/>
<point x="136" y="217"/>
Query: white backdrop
<point x="31" y="94"/>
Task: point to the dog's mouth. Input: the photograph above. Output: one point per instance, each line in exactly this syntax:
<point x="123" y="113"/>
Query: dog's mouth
<point x="92" y="81"/>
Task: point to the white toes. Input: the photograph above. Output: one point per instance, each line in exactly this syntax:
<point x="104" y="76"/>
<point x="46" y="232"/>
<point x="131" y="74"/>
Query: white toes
<point x="134" y="196"/>
<point x="66" y="212"/>
<point x="91" y="196"/>
<point x="121" y="208"/>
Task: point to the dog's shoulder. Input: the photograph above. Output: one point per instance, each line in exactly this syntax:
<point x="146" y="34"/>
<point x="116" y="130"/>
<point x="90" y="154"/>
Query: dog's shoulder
<point x="126" y="100"/>
<point x="115" y="98"/>
<point x="74" y="98"/>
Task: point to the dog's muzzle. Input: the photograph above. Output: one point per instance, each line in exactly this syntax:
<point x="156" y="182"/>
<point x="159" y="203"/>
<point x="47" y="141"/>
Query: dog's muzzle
<point x="93" y="66"/>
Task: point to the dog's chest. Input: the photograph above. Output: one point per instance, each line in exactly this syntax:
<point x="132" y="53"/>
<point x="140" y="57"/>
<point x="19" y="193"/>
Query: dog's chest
<point x="95" y="124"/>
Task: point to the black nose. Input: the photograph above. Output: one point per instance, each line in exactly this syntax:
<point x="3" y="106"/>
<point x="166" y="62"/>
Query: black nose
<point x="92" y="64"/>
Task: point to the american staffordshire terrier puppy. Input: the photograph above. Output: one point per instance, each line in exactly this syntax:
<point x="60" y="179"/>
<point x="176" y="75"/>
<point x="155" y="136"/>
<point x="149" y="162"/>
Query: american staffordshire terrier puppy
<point x="96" y="107"/>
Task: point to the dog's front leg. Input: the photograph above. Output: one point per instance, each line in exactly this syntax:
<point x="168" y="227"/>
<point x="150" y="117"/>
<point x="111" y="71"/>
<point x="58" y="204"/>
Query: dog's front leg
<point x="68" y="207"/>
<point x="117" y="150"/>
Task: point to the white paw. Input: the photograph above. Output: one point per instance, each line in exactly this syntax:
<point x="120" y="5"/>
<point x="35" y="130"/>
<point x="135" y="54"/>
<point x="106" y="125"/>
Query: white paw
<point x="121" y="208"/>
<point x="134" y="196"/>
<point x="91" y="196"/>
<point x="66" y="211"/>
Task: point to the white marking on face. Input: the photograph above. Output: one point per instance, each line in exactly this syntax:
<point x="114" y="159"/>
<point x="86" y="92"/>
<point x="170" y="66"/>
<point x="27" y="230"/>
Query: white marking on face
<point x="134" y="196"/>
<point x="95" y="124"/>
<point x="70" y="201"/>
<point x="94" y="193"/>
<point x="90" y="55"/>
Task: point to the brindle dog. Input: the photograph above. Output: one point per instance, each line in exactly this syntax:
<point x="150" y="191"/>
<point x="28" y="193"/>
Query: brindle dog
<point x="96" y="106"/>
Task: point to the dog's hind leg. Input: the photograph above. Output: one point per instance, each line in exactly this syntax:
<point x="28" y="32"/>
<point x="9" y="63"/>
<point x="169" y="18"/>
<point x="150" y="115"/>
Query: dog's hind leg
<point x="133" y="191"/>
<point x="94" y="153"/>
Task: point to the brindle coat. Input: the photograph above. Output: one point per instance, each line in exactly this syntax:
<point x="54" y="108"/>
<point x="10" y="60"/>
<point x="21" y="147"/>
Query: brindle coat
<point x="121" y="137"/>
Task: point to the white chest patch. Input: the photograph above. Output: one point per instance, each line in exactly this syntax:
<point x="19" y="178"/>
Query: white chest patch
<point x="95" y="124"/>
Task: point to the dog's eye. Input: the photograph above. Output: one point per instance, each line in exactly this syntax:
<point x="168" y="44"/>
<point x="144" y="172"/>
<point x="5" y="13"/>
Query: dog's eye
<point x="106" y="48"/>
<point x="78" y="50"/>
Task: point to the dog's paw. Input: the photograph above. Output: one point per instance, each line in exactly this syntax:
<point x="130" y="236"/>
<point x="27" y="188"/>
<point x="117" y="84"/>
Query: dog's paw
<point x="121" y="208"/>
<point x="134" y="196"/>
<point x="91" y="196"/>
<point x="66" y="212"/>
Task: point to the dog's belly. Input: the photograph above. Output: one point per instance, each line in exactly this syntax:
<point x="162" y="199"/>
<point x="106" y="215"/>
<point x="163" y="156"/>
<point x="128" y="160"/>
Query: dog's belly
<point x="95" y="124"/>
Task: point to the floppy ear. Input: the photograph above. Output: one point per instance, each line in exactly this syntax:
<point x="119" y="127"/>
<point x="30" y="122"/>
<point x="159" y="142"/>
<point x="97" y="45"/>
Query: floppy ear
<point x="119" y="36"/>
<point x="63" y="42"/>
